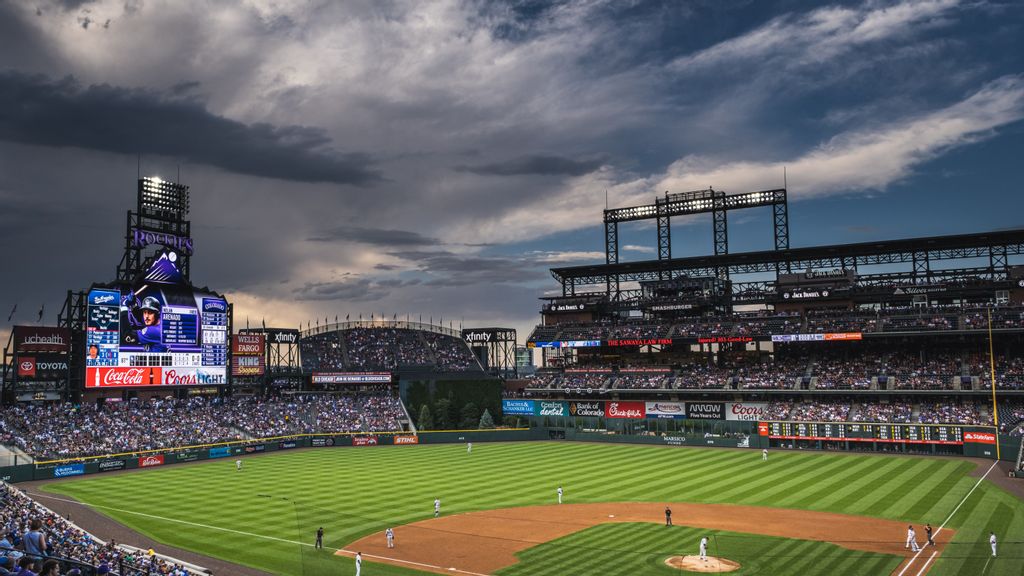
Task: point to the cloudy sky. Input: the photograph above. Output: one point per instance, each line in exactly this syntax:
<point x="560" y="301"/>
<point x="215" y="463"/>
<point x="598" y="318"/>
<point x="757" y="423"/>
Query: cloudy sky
<point x="437" y="158"/>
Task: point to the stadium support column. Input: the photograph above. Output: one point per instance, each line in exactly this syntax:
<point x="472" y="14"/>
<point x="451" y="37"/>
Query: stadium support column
<point x="611" y="254"/>
<point x="780" y="212"/>
<point x="997" y="260"/>
<point x="922" y="268"/>
<point x="721" y="230"/>
<point x="664" y="234"/>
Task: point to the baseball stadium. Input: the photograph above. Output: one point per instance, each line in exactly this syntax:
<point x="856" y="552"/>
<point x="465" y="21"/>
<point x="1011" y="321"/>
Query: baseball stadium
<point x="781" y="411"/>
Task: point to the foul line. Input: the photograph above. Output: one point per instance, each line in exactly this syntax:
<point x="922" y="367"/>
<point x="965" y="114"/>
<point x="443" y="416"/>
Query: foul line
<point x="978" y="483"/>
<point x="243" y="533"/>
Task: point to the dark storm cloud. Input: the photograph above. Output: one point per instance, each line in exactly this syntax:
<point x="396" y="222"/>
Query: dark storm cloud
<point x="450" y="269"/>
<point x="37" y="110"/>
<point x="352" y="289"/>
<point x="535" y="165"/>
<point x="375" y="236"/>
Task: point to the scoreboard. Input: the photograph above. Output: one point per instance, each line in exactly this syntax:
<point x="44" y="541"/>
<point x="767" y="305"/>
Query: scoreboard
<point x="858" y="432"/>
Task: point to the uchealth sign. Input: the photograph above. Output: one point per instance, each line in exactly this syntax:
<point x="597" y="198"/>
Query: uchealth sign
<point x="36" y="339"/>
<point x="624" y="410"/>
<point x="705" y="410"/>
<point x="586" y="409"/>
<point x="668" y="410"/>
<point x="745" y="411"/>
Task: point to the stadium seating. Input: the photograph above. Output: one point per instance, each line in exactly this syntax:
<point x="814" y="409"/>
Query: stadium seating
<point x="386" y="349"/>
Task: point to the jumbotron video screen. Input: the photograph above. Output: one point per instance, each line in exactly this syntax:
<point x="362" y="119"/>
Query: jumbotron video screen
<point x="158" y="332"/>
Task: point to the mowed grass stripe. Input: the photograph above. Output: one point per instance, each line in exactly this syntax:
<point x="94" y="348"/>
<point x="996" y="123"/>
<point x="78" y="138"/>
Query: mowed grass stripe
<point x="892" y="494"/>
<point x="356" y="491"/>
<point x="893" y="468"/>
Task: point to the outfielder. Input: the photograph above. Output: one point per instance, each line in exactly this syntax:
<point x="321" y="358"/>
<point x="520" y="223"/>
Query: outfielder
<point x="911" y="539"/>
<point x="437" y="507"/>
<point x="704" y="548"/>
<point x="359" y="562"/>
<point x="238" y="465"/>
<point x="390" y="534"/>
<point x="764" y="455"/>
<point x="559" y="494"/>
<point x="992" y="541"/>
<point x="469" y="447"/>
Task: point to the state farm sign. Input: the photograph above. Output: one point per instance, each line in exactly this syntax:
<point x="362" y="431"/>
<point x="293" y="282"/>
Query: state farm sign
<point x="746" y="411"/>
<point x="624" y="410"/>
<point x="980" y="437"/>
<point x="149" y="461"/>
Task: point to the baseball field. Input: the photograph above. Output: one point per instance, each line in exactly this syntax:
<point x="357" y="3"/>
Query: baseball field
<point x="801" y="513"/>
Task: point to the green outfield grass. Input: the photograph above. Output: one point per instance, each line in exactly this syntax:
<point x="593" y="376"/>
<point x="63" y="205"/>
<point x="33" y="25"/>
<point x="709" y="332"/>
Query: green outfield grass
<point x="259" y="516"/>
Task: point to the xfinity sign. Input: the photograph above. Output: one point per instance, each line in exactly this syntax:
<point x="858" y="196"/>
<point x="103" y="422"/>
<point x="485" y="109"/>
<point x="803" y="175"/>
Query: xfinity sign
<point x="478" y="337"/>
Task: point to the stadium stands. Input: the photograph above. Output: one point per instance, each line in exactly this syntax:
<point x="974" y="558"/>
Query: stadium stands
<point x="386" y="348"/>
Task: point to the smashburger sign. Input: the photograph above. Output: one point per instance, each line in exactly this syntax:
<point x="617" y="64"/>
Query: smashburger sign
<point x="745" y="411"/>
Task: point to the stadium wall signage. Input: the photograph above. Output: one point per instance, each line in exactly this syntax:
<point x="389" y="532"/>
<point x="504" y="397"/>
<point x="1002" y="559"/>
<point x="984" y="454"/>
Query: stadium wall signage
<point x="282" y="336"/>
<point x="247" y="344"/>
<point x="111" y="465"/>
<point x="641" y="342"/>
<point x="725" y="339"/>
<point x="219" y="452"/>
<point x="625" y="410"/>
<point x="478" y="336"/>
<point x="565" y="344"/>
<point x="705" y="410"/>
<point x="407" y="439"/>
<point x="35" y="339"/>
<point x="253" y="448"/>
<point x="287" y="445"/>
<point x="150" y="461"/>
<point x="586" y="409"/>
<point x="321" y="442"/>
<point x="746" y="411"/>
<point x="545" y="408"/>
<point x="805" y="294"/>
<point x="141" y="239"/>
<point x="665" y="410"/>
<point x="357" y="440"/>
<point x="351" y="377"/>
<point x="980" y="437"/>
<point x="517" y="407"/>
<point x="826" y="337"/>
<point x="69" y="470"/>
<point x="188" y="456"/>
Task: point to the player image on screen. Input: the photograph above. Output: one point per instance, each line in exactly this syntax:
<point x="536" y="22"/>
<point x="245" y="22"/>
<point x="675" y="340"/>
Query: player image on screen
<point x="144" y="319"/>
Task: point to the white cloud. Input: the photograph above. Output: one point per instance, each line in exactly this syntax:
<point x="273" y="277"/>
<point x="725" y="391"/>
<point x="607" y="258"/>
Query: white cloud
<point x="638" y="248"/>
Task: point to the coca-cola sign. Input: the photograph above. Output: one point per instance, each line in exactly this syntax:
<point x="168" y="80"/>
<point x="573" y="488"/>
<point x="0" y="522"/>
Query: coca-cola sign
<point x="625" y="410"/>
<point x="746" y="411"/>
<point x="116" y="377"/>
<point x="149" y="461"/>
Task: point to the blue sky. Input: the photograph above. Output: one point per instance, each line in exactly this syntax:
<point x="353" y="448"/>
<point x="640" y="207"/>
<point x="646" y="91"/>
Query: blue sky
<point x="438" y="157"/>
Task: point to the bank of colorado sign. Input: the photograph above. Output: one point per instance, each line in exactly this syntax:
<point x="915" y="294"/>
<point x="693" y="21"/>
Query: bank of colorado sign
<point x="586" y="409"/>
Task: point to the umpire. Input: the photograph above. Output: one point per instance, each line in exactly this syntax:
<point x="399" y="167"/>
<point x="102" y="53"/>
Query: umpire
<point x="668" y="516"/>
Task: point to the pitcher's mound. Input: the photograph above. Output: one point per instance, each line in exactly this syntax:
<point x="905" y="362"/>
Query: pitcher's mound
<point x="695" y="564"/>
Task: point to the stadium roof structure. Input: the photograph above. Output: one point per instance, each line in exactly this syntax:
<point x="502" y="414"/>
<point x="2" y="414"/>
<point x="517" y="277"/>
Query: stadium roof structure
<point x="920" y="252"/>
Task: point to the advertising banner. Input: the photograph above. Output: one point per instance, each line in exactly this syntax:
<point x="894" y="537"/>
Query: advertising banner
<point x="247" y="345"/>
<point x="364" y="440"/>
<point x="69" y="470"/>
<point x="520" y="407"/>
<point x="705" y="410"/>
<point x="247" y="365"/>
<point x="321" y="442"/>
<point x="625" y="410"/>
<point x="980" y="437"/>
<point x="724" y="339"/>
<point x="407" y="439"/>
<point x="111" y="465"/>
<point x="36" y="339"/>
<point x="546" y="408"/>
<point x="351" y="377"/>
<point x="255" y="448"/>
<point x="565" y="344"/>
<point x="762" y="428"/>
<point x="27" y="367"/>
<point x="282" y="336"/>
<point x="671" y="410"/>
<point x="220" y="452"/>
<point x="641" y="342"/>
<point x="746" y="411"/>
<point x="287" y="444"/>
<point x="830" y="336"/>
<point x="150" y="461"/>
<point x="42" y="367"/>
<point x="186" y="456"/>
<point x="586" y="409"/>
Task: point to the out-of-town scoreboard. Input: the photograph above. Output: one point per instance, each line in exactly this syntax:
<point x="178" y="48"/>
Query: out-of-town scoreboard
<point x="856" y="432"/>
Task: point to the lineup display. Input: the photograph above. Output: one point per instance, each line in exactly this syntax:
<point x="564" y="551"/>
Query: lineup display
<point x="159" y="332"/>
<point x="857" y="432"/>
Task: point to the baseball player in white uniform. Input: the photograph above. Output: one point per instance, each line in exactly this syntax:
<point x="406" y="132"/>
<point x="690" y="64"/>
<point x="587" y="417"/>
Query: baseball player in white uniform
<point x="764" y="455"/>
<point x="359" y="562"/>
<point x="559" y="494"/>
<point x="469" y="447"/>
<point x="704" y="548"/>
<point x="238" y="465"/>
<point x="911" y="539"/>
<point x="992" y="541"/>
<point x="390" y="534"/>
<point x="437" y="507"/>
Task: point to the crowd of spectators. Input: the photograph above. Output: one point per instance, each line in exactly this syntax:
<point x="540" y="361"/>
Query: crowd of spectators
<point x="951" y="412"/>
<point x="23" y="519"/>
<point x="385" y="349"/>
<point x="642" y="381"/>
<point x="67" y="431"/>
<point x="819" y="411"/>
<point x="887" y="412"/>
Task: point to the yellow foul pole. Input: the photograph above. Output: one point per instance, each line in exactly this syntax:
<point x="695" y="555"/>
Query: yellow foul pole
<point x="992" y="370"/>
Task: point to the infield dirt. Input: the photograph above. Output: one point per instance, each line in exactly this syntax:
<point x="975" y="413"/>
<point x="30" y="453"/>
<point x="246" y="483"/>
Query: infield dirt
<point x="486" y="541"/>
